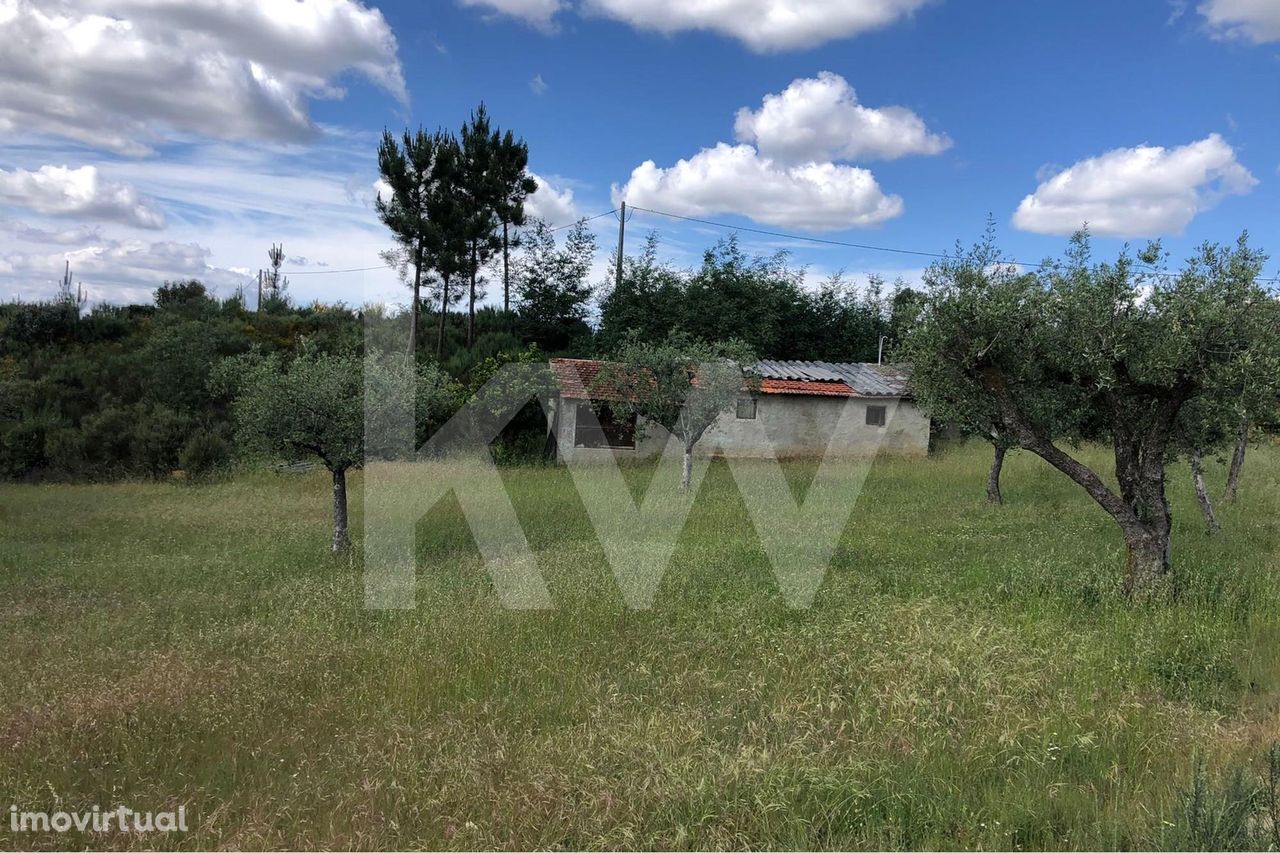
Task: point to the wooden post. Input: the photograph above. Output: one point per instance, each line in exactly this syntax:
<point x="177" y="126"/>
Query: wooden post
<point x="622" y="237"/>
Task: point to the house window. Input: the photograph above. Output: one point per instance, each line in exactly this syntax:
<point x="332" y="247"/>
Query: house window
<point x="746" y="408"/>
<point x="876" y="416"/>
<point x="603" y="429"/>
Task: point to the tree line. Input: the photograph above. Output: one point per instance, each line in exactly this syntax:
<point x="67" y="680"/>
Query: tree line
<point x="125" y="391"/>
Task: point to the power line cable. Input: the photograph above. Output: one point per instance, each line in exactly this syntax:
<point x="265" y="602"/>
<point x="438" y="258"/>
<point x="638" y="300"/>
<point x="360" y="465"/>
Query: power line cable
<point x="782" y="235"/>
<point x="863" y="246"/>
<point x="384" y="266"/>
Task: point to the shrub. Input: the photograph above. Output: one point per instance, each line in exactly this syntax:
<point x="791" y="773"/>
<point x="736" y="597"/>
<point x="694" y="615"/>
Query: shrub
<point x="1220" y="815"/>
<point x="204" y="454"/>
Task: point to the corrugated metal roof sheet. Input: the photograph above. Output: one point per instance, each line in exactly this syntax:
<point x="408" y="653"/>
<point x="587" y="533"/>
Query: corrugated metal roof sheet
<point x="578" y="379"/>
<point x="866" y="380"/>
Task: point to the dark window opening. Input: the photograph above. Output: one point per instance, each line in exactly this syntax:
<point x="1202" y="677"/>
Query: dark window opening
<point x="746" y="408"/>
<point x="876" y="416"/>
<point x="605" y="429"/>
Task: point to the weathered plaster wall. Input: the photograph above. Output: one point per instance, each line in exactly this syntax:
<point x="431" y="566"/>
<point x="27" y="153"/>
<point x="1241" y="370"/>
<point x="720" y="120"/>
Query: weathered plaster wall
<point x="792" y="425"/>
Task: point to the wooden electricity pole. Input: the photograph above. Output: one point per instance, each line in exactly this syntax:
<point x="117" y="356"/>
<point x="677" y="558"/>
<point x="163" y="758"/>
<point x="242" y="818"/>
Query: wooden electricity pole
<point x="622" y="237"/>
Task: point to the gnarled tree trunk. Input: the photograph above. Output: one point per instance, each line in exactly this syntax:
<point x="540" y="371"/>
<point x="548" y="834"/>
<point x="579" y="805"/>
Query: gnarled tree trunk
<point x="341" y="541"/>
<point x="993" y="479"/>
<point x="1237" y="461"/>
<point x="1148" y="526"/>
<point x="1202" y="491"/>
<point x="1141" y="510"/>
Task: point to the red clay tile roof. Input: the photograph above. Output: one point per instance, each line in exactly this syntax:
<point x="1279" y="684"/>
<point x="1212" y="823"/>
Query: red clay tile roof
<point x="806" y="388"/>
<point x="575" y="375"/>
<point x="578" y="379"/>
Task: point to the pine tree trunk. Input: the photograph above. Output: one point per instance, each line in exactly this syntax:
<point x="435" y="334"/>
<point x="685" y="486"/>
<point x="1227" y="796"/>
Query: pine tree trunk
<point x="341" y="541"/>
<point x="444" y="313"/>
<point x="417" y="301"/>
<point x="1237" y="461"/>
<point x="686" y="470"/>
<point x="993" y="479"/>
<point x="506" y="272"/>
<point x="471" y="310"/>
<point x="1202" y="492"/>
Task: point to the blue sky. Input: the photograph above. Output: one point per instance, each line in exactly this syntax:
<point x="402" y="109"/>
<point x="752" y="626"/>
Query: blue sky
<point x="184" y="138"/>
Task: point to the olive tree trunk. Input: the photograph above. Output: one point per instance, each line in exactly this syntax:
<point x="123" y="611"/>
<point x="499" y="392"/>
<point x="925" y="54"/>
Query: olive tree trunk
<point x="1202" y="491"/>
<point x="341" y="541"/>
<point x="1141" y="510"/>
<point x="993" y="479"/>
<point x="1237" y="461"/>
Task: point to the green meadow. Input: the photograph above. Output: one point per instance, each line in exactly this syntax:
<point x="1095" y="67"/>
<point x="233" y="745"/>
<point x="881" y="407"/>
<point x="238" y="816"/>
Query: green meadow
<point x="967" y="677"/>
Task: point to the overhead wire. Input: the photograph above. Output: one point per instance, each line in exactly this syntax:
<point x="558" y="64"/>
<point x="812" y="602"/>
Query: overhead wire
<point x="781" y="235"/>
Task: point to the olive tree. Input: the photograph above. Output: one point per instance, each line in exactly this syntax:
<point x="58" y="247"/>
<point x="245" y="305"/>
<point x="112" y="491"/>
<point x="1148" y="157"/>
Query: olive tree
<point x="681" y="384"/>
<point x="315" y="407"/>
<point x="1082" y="349"/>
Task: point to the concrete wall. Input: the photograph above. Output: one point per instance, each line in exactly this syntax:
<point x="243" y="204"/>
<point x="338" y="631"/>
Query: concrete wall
<point x="792" y="425"/>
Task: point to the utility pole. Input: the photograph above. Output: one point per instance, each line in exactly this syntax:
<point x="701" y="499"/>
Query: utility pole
<point x="622" y="237"/>
<point x="258" y="306"/>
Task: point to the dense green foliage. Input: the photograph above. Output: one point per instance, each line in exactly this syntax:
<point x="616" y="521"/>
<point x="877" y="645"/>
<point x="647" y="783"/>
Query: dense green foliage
<point x="124" y="390"/>
<point x="967" y="678"/>
<point x="760" y="301"/>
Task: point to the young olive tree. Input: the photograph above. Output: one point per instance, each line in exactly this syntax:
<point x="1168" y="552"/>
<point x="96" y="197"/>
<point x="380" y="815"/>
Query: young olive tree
<point x="1084" y="349"/>
<point x="680" y="384"/>
<point x="314" y="406"/>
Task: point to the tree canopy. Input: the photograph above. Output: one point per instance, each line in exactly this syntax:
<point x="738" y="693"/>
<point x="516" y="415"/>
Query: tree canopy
<point x="1115" y="350"/>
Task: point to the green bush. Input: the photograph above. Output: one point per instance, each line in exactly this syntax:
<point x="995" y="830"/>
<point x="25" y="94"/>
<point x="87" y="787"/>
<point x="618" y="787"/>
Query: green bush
<point x="204" y="455"/>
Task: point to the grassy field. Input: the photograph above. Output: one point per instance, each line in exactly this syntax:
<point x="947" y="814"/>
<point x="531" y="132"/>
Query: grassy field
<point x="967" y="677"/>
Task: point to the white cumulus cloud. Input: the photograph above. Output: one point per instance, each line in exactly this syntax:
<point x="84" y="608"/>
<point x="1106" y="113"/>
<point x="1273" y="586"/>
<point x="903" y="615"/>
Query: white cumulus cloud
<point x="123" y="74"/>
<point x="819" y="118"/>
<point x="79" y="193"/>
<point x="551" y="203"/>
<point x="113" y="270"/>
<point x="1145" y="191"/>
<point x="737" y="179"/>
<point x="1255" y="20"/>
<point x="763" y="25"/>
